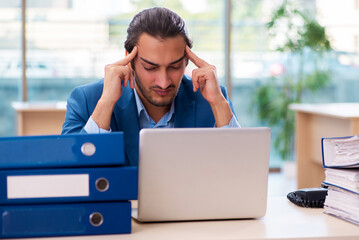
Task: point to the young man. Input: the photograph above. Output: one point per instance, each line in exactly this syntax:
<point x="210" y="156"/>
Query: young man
<point x="148" y="88"/>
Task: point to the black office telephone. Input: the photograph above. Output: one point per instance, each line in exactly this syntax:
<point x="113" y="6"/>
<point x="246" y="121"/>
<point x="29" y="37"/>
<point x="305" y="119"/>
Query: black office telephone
<point x="308" y="197"/>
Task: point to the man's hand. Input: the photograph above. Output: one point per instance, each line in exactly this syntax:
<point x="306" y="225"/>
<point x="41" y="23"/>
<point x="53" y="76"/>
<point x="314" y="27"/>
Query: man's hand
<point x="117" y="75"/>
<point x="205" y="79"/>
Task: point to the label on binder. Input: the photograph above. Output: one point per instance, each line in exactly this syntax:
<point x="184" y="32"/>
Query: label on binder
<point x="42" y="186"/>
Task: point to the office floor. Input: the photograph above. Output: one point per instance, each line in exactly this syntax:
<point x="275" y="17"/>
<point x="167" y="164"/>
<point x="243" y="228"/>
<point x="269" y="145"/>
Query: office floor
<point x="280" y="185"/>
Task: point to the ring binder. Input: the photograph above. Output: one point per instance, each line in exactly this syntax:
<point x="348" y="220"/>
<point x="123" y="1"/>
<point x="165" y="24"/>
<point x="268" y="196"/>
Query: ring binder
<point x="65" y="185"/>
<point x="54" y="151"/>
<point x="68" y="219"/>
<point x="68" y="185"/>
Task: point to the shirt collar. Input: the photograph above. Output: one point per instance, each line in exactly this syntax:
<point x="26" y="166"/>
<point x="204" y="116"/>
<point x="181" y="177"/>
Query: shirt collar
<point x="139" y="104"/>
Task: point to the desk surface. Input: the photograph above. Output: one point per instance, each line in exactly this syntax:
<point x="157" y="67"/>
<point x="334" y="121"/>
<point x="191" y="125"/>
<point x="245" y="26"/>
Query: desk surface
<point x="283" y="220"/>
<point x="39" y="106"/>
<point x="339" y="110"/>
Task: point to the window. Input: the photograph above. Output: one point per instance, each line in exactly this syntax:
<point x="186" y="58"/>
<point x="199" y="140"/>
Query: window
<point x="70" y="41"/>
<point x="10" y="62"/>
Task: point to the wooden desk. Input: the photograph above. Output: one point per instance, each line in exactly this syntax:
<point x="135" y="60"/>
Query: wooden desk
<point x="283" y="220"/>
<point x="39" y="118"/>
<point x="314" y="121"/>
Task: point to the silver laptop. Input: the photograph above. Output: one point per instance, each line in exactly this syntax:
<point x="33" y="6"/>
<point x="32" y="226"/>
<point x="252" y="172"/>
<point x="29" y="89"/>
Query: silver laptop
<point x="202" y="174"/>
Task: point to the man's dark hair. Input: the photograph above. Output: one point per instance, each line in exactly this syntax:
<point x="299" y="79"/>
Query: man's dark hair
<point x="156" y="22"/>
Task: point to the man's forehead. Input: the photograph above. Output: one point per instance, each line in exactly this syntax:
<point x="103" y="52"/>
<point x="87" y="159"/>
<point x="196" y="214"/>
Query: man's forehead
<point x="160" y="59"/>
<point x="161" y="51"/>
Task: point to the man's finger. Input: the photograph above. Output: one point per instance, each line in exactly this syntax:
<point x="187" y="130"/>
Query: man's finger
<point x="128" y="78"/>
<point x="198" y="79"/>
<point x="125" y="77"/>
<point x="128" y="58"/>
<point x="132" y="81"/>
<point x="196" y="60"/>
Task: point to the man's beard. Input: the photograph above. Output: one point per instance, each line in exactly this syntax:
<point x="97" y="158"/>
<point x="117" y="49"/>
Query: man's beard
<point x="147" y="94"/>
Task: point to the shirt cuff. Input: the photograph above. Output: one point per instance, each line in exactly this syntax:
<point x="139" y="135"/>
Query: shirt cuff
<point x="92" y="127"/>
<point x="233" y="123"/>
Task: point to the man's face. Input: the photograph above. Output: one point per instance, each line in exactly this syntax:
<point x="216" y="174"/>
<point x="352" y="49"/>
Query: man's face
<point x="159" y="68"/>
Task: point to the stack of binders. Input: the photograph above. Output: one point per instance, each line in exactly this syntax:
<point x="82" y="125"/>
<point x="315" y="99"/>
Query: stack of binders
<point x="65" y="185"/>
<point x="341" y="163"/>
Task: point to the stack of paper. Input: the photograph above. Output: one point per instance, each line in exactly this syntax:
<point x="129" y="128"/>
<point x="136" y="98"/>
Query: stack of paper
<point x="341" y="159"/>
<point x="343" y="204"/>
<point x="341" y="152"/>
<point x="65" y="185"/>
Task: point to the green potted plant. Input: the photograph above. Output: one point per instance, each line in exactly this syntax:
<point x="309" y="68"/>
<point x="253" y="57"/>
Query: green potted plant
<point x="304" y="41"/>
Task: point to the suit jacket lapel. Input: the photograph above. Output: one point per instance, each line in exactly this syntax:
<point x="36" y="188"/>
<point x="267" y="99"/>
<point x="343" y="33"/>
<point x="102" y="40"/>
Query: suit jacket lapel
<point x="126" y="116"/>
<point x="185" y="109"/>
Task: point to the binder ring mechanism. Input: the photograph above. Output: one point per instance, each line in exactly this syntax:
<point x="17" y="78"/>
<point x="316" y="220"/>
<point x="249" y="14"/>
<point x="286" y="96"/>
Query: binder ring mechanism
<point x="88" y="149"/>
<point x="102" y="184"/>
<point x="96" y="219"/>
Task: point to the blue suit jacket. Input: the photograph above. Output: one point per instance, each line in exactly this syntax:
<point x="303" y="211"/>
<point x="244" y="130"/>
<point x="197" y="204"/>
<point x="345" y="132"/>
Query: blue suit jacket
<point x="191" y="110"/>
